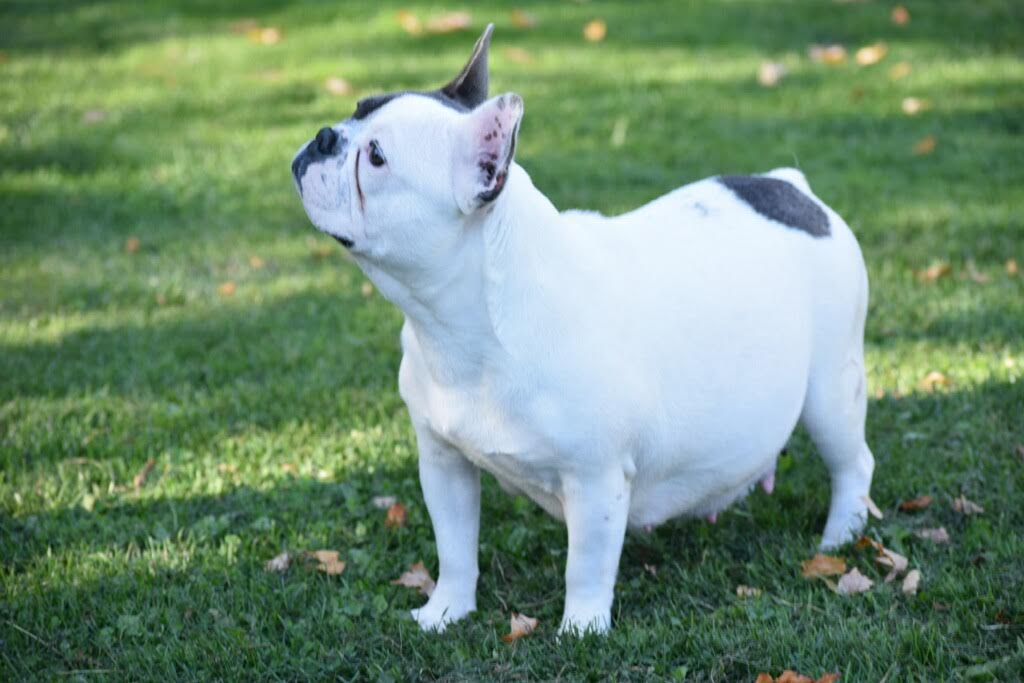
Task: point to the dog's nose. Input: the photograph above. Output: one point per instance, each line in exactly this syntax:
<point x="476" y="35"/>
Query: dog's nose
<point x="326" y="138"/>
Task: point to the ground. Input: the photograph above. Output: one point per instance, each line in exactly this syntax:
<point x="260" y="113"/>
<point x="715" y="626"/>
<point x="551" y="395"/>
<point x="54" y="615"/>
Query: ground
<point x="163" y="297"/>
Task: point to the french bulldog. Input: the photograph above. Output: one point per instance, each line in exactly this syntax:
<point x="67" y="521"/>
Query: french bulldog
<point x="620" y="371"/>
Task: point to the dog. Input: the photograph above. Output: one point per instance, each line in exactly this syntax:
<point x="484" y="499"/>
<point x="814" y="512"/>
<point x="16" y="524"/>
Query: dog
<point x="620" y="371"/>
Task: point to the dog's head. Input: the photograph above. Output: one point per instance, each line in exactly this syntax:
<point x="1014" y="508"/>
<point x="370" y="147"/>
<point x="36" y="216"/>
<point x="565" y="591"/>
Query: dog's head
<point x="398" y="180"/>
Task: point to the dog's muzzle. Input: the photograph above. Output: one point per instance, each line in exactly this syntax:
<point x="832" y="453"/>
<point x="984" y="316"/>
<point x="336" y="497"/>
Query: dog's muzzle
<point x="327" y="143"/>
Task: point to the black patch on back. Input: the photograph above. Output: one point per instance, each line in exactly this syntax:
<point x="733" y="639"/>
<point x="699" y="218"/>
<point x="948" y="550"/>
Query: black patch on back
<point x="368" y="105"/>
<point x="780" y="201"/>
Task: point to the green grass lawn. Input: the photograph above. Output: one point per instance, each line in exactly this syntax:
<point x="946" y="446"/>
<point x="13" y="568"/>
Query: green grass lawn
<point x="239" y="350"/>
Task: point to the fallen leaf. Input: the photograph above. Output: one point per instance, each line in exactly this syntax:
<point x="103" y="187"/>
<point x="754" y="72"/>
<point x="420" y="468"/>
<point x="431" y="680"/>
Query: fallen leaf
<point x="140" y="479"/>
<point x="93" y="116"/>
<point x="900" y="16"/>
<point x="823" y="565"/>
<point x="520" y="625"/>
<point x="770" y="73"/>
<point x="227" y="288"/>
<point x="521" y="19"/>
<point x="595" y="31"/>
<point x="764" y="678"/>
<point x="279" y="563"/>
<point x="897" y="563"/>
<point x="366" y="289"/>
<point x="518" y="55"/>
<point x="933" y="380"/>
<point x="913" y="105"/>
<point x="227" y="468"/>
<point x="830" y="677"/>
<point x="919" y="503"/>
<point x="871" y="54"/>
<point x="396" y="516"/>
<point x="337" y="86"/>
<point x="243" y="25"/>
<point x="383" y="502"/>
<point x="255" y="262"/>
<point x="288" y="467"/>
<point x="827" y="54"/>
<point x="747" y="592"/>
<point x="327" y="561"/>
<point x="975" y="274"/>
<point x="911" y="582"/>
<point x="872" y="508"/>
<point x="934" y="271"/>
<point x="865" y="542"/>
<point x="966" y="507"/>
<point x="1011" y="267"/>
<point x="925" y="145"/>
<point x="651" y="569"/>
<point x="269" y="35"/>
<point x="853" y="582"/>
<point x="131" y="245"/>
<point x="449" y="22"/>
<point x="899" y="70"/>
<point x="417" y="576"/>
<point x="409" y="22"/>
<point x="790" y="676"/>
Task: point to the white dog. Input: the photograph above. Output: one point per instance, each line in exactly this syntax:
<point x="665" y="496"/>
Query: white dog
<point x="618" y="371"/>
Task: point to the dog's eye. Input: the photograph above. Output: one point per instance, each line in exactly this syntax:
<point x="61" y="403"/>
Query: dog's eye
<point x="376" y="158"/>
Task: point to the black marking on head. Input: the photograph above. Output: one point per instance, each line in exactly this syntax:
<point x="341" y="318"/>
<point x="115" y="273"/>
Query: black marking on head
<point x="369" y="105"/>
<point x="780" y="201"/>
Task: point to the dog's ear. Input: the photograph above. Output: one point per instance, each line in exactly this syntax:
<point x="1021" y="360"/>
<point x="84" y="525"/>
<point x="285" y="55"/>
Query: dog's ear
<point x="484" y="149"/>
<point x="470" y="87"/>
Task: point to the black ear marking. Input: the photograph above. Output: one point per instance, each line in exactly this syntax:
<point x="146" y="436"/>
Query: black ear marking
<point x="469" y="88"/>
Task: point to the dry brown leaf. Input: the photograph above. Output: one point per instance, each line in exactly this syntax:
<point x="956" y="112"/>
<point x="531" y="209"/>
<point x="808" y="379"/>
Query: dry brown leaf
<point x="449" y="22"/>
<point x="966" y="507"/>
<point x="747" y="592"/>
<point x="409" y="22"/>
<point x="279" y="563"/>
<point x="1011" y="267"/>
<point x="521" y="19"/>
<point x="913" y="105"/>
<point x="518" y="55"/>
<point x="975" y="274"/>
<point x="925" y="145"/>
<point x="396" y="516"/>
<point x="770" y="73"/>
<point x="823" y="565"/>
<point x="520" y="625"/>
<point x="919" y="503"/>
<point x="865" y="542"/>
<point x="366" y="289"/>
<point x="897" y="563"/>
<point x="651" y="569"/>
<point x="418" y="577"/>
<point x="899" y="70"/>
<point x="595" y="31"/>
<point x="934" y="535"/>
<point x="830" y="677"/>
<point x="327" y="561"/>
<point x="933" y="380"/>
<point x="764" y="678"/>
<point x="911" y="582"/>
<point x="871" y="54"/>
<point x="900" y="16"/>
<point x="853" y="582"/>
<point x="131" y="245"/>
<point x="790" y="676"/>
<point x="140" y="479"/>
<point x="872" y="508"/>
<point x="255" y="262"/>
<point x="934" y="271"/>
<point x="338" y="86"/>
<point x="227" y="288"/>
<point x="827" y="54"/>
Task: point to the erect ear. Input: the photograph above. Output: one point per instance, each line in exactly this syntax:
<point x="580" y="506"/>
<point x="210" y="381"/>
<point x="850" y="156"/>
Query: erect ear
<point x="470" y="87"/>
<point x="484" y="149"/>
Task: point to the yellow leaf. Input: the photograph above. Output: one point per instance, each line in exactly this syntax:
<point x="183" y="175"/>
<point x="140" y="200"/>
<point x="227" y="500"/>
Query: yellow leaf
<point x="899" y="70"/>
<point x="934" y="271"/>
<point x="418" y="577"/>
<point x="853" y="582"/>
<point x="872" y="508"/>
<point x="911" y="582"/>
<point x="327" y="561"/>
<point x="255" y="262"/>
<point x="823" y="565"/>
<point x="913" y="105"/>
<point x="337" y="86"/>
<point x="900" y="16"/>
<point x="395" y="516"/>
<point x="871" y="54"/>
<point x="827" y="54"/>
<point x="595" y="30"/>
<point x="521" y="19"/>
<point x="449" y="22"/>
<point x="934" y="379"/>
<point x="269" y="35"/>
<point x="966" y="507"/>
<point x="227" y="288"/>
<point x="131" y="245"/>
<point x="1011" y="267"/>
<point x="366" y="289"/>
<point x="925" y="145"/>
<point x="409" y="22"/>
<point x="770" y="73"/>
<point x="520" y="625"/>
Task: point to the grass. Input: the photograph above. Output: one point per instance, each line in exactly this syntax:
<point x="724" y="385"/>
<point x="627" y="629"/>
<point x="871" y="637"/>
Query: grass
<point x="272" y="413"/>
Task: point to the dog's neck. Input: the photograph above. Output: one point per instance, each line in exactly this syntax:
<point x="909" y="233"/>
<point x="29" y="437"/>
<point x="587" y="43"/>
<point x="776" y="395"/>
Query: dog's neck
<point x="461" y="311"/>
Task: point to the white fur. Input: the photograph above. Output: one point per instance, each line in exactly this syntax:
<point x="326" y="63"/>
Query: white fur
<point x="618" y="371"/>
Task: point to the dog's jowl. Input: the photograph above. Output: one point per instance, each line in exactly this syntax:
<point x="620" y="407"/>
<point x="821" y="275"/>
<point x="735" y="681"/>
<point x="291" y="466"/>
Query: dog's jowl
<point x="619" y="371"/>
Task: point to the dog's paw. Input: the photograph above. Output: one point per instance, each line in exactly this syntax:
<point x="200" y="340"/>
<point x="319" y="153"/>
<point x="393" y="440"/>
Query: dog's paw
<point x="439" y="612"/>
<point x="580" y="622"/>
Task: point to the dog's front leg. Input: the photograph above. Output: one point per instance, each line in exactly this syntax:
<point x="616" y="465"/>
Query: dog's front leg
<point x="596" y="509"/>
<point x="451" y="489"/>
